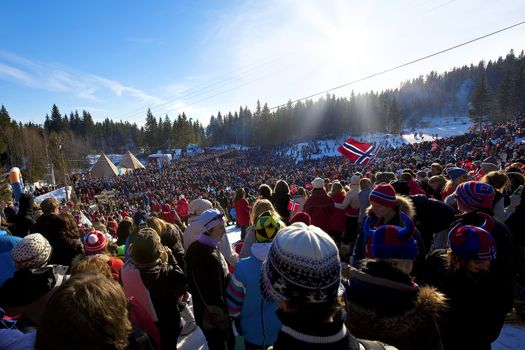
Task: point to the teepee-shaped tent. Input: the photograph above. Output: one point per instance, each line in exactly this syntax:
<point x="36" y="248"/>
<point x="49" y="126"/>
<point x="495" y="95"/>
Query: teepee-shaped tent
<point x="129" y="161"/>
<point x="103" y="168"/>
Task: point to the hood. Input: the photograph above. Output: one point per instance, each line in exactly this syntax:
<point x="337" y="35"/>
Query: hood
<point x="260" y="250"/>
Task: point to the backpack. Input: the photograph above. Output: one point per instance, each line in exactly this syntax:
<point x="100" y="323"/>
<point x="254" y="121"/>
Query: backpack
<point x="137" y="338"/>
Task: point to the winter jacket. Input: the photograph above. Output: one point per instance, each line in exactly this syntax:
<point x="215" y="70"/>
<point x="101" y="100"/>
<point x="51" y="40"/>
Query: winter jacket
<point x="305" y="335"/>
<point x="281" y="201"/>
<point x="165" y="284"/>
<point x="23" y="220"/>
<point x="183" y="208"/>
<point x="206" y="277"/>
<point x="242" y="210"/>
<point x="350" y="204"/>
<point x="139" y="317"/>
<point x="28" y="291"/>
<point x="259" y="323"/>
<point x="320" y="207"/>
<point x="7" y="266"/>
<point x="503" y="265"/>
<point x="384" y="304"/>
<point x="364" y="203"/>
<point x="476" y="305"/>
<point x="172" y="238"/>
<point x="338" y="219"/>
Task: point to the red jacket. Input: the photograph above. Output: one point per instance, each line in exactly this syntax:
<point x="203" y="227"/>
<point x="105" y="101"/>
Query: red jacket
<point x="242" y="209"/>
<point x="320" y="207"/>
<point x="338" y="219"/>
<point x="183" y="208"/>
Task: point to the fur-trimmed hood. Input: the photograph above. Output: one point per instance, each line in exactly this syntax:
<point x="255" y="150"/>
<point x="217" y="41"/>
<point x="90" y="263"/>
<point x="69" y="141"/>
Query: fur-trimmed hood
<point x="414" y="329"/>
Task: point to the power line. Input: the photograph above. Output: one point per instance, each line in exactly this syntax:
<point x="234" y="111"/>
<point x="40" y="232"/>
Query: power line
<point x="203" y="88"/>
<point x="402" y="65"/>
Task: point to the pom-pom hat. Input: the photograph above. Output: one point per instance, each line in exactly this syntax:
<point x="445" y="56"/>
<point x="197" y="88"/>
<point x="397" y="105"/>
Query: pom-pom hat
<point x="303" y="265"/>
<point x="95" y="243"/>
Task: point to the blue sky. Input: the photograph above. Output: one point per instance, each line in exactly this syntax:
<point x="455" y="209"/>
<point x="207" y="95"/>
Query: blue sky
<point x="117" y="58"/>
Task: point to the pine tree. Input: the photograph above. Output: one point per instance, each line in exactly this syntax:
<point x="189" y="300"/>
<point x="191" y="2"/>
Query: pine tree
<point x="482" y="100"/>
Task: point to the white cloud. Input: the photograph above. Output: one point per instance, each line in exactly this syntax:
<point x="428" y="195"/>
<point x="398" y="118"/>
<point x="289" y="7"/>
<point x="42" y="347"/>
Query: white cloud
<point x="60" y="78"/>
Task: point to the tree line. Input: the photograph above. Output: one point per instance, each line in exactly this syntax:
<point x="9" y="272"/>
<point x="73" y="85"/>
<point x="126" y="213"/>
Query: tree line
<point x="493" y="90"/>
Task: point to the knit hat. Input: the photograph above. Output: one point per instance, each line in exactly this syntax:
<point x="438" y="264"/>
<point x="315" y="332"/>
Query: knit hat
<point x="472" y="243"/>
<point x="354" y="180"/>
<point x="454" y="173"/>
<point x="146" y="249"/>
<point x="266" y="227"/>
<point x="318" y="183"/>
<point x="395" y="242"/>
<point x="475" y="195"/>
<point x="210" y="218"/>
<point x="95" y="243"/>
<point x="199" y="205"/>
<point x="384" y="194"/>
<point x="302" y="265"/>
<point x="31" y="252"/>
<point x="301" y="217"/>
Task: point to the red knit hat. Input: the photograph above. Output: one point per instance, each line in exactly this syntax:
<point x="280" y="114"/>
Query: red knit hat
<point x="384" y="194"/>
<point x="301" y="217"/>
<point x="95" y="243"/>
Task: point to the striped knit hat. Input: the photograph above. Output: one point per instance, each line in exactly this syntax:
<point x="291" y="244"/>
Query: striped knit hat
<point x="472" y="243"/>
<point x="384" y="194"/>
<point x="95" y="243"/>
<point x="475" y="194"/>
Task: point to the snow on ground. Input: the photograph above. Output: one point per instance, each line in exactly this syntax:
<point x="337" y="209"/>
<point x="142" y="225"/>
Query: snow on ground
<point x="442" y="126"/>
<point x="511" y="337"/>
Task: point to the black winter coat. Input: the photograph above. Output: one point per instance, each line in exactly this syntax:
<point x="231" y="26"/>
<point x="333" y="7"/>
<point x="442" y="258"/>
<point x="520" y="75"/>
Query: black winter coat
<point x="206" y="278"/>
<point x="166" y="283"/>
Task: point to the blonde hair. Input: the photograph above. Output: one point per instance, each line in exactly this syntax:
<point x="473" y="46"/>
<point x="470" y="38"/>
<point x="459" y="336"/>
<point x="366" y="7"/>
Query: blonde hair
<point x="336" y="188"/>
<point x="259" y="207"/>
<point x="92" y="265"/>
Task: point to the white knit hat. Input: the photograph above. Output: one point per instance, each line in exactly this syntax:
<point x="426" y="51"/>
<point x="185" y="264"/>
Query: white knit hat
<point x="318" y="183"/>
<point x="31" y="252"/>
<point x="199" y="205"/>
<point x="303" y="264"/>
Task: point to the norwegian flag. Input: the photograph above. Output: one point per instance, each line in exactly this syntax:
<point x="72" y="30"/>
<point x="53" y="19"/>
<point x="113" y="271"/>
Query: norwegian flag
<point x="293" y="188"/>
<point x="292" y="206"/>
<point x="357" y="152"/>
<point x="435" y="146"/>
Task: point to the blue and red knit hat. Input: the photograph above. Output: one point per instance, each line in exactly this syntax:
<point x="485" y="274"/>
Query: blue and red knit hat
<point x="384" y="194"/>
<point x="395" y="242"/>
<point x="475" y="194"/>
<point x="472" y="243"/>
